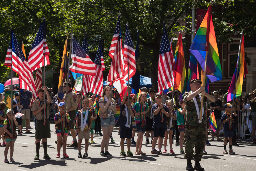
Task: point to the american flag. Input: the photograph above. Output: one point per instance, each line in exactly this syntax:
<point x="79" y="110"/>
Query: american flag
<point x="39" y="77"/>
<point x="129" y="56"/>
<point x="97" y="80"/>
<point x="115" y="52"/>
<point x="20" y="65"/>
<point x="86" y="84"/>
<point x="81" y="62"/>
<point x="39" y="52"/>
<point x="165" y="72"/>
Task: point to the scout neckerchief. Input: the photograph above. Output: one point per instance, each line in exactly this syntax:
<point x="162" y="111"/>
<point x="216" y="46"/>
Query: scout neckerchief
<point x="84" y="119"/>
<point x="197" y="107"/>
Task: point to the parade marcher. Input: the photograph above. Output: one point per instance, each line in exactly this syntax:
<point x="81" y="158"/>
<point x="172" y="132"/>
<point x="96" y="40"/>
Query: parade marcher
<point x="16" y="109"/>
<point x="93" y="118"/>
<point x="141" y="109"/>
<point x="161" y="112"/>
<point x="62" y="120"/>
<point x="228" y="124"/>
<point x="107" y="115"/>
<point x="169" y="131"/>
<point x="149" y="116"/>
<point x="83" y="123"/>
<point x="25" y="99"/>
<point x="71" y="107"/>
<point x="41" y="111"/>
<point x="217" y="107"/>
<point x="97" y="121"/>
<point x="2" y="118"/>
<point x="181" y="123"/>
<point x="195" y="130"/>
<point x="125" y="123"/>
<point x="10" y="135"/>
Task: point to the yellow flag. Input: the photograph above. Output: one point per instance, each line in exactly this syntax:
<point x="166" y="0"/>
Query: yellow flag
<point x="23" y="50"/>
<point x="62" y="64"/>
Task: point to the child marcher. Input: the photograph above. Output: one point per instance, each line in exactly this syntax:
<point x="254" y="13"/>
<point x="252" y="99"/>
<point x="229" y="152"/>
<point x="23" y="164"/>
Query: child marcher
<point x="10" y="135"/>
<point x="2" y="118"/>
<point x="169" y="131"/>
<point x="125" y="123"/>
<point x="161" y="113"/>
<point x="61" y="120"/>
<point x="17" y="109"/>
<point x="93" y="119"/>
<point x="141" y="109"/>
<point x="181" y="123"/>
<point x="228" y="125"/>
<point x="83" y="123"/>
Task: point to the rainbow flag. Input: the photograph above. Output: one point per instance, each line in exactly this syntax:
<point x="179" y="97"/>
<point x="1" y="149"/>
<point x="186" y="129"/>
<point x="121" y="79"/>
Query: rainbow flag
<point x="205" y="40"/>
<point x="179" y="67"/>
<point x="235" y="88"/>
<point x="213" y="124"/>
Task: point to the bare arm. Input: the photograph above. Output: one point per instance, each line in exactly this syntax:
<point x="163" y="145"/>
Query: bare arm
<point x="194" y="94"/>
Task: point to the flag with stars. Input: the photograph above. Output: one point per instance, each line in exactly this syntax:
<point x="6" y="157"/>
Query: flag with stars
<point x="40" y="51"/>
<point x="97" y="80"/>
<point x="115" y="52"/>
<point x="81" y="62"/>
<point x="20" y="65"/>
<point x="165" y="64"/>
<point x="129" y="56"/>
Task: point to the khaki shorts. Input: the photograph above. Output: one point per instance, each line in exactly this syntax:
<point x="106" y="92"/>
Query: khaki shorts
<point x="84" y="134"/>
<point x="26" y="113"/>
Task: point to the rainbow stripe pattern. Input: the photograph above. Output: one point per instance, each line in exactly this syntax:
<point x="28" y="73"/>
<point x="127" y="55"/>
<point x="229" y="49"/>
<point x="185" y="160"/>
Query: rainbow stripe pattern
<point x="179" y="67"/>
<point x="235" y="88"/>
<point x="205" y="41"/>
<point x="213" y="124"/>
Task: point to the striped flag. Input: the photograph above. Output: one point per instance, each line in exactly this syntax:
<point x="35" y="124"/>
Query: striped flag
<point x="39" y="78"/>
<point x="20" y="65"/>
<point x="39" y="52"/>
<point x="179" y="67"/>
<point x="81" y="62"/>
<point x="129" y="56"/>
<point x="97" y="80"/>
<point x="236" y="85"/>
<point x="165" y="63"/>
<point x="115" y="52"/>
<point x="86" y="84"/>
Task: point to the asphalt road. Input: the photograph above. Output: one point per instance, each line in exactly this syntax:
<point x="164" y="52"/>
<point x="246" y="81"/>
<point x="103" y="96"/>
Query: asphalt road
<point x="244" y="160"/>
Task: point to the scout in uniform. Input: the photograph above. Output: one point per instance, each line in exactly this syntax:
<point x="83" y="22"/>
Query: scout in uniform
<point x="194" y="128"/>
<point x="71" y="107"/>
<point x="41" y="111"/>
<point x="83" y="124"/>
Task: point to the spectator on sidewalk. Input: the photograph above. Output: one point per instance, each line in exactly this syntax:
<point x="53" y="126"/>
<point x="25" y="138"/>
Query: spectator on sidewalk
<point x="25" y="99"/>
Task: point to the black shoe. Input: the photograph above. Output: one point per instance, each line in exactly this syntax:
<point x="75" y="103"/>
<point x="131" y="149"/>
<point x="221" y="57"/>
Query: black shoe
<point x="101" y="134"/>
<point x="47" y="157"/>
<point x="198" y="167"/>
<point x="74" y="144"/>
<point x="102" y="154"/>
<point x="36" y="157"/>
<point x="177" y="143"/>
<point x="133" y="142"/>
<point x="79" y="155"/>
<point x="189" y="166"/>
<point x="85" y="155"/>
<point x="108" y="154"/>
<point x="147" y="141"/>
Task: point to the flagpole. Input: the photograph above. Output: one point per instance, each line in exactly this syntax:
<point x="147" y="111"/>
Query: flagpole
<point x="71" y="51"/>
<point x="11" y="87"/>
<point x="205" y="62"/>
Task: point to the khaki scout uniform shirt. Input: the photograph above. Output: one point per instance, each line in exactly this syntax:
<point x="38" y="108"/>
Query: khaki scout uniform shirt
<point x="70" y="102"/>
<point x="36" y="106"/>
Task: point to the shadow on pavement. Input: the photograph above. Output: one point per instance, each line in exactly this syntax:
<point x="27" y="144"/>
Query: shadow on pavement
<point x="98" y="160"/>
<point x="211" y="156"/>
<point x="144" y="158"/>
<point x="43" y="163"/>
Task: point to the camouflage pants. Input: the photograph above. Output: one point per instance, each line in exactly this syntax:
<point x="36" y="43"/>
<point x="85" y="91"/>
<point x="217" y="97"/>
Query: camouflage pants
<point x="195" y="137"/>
